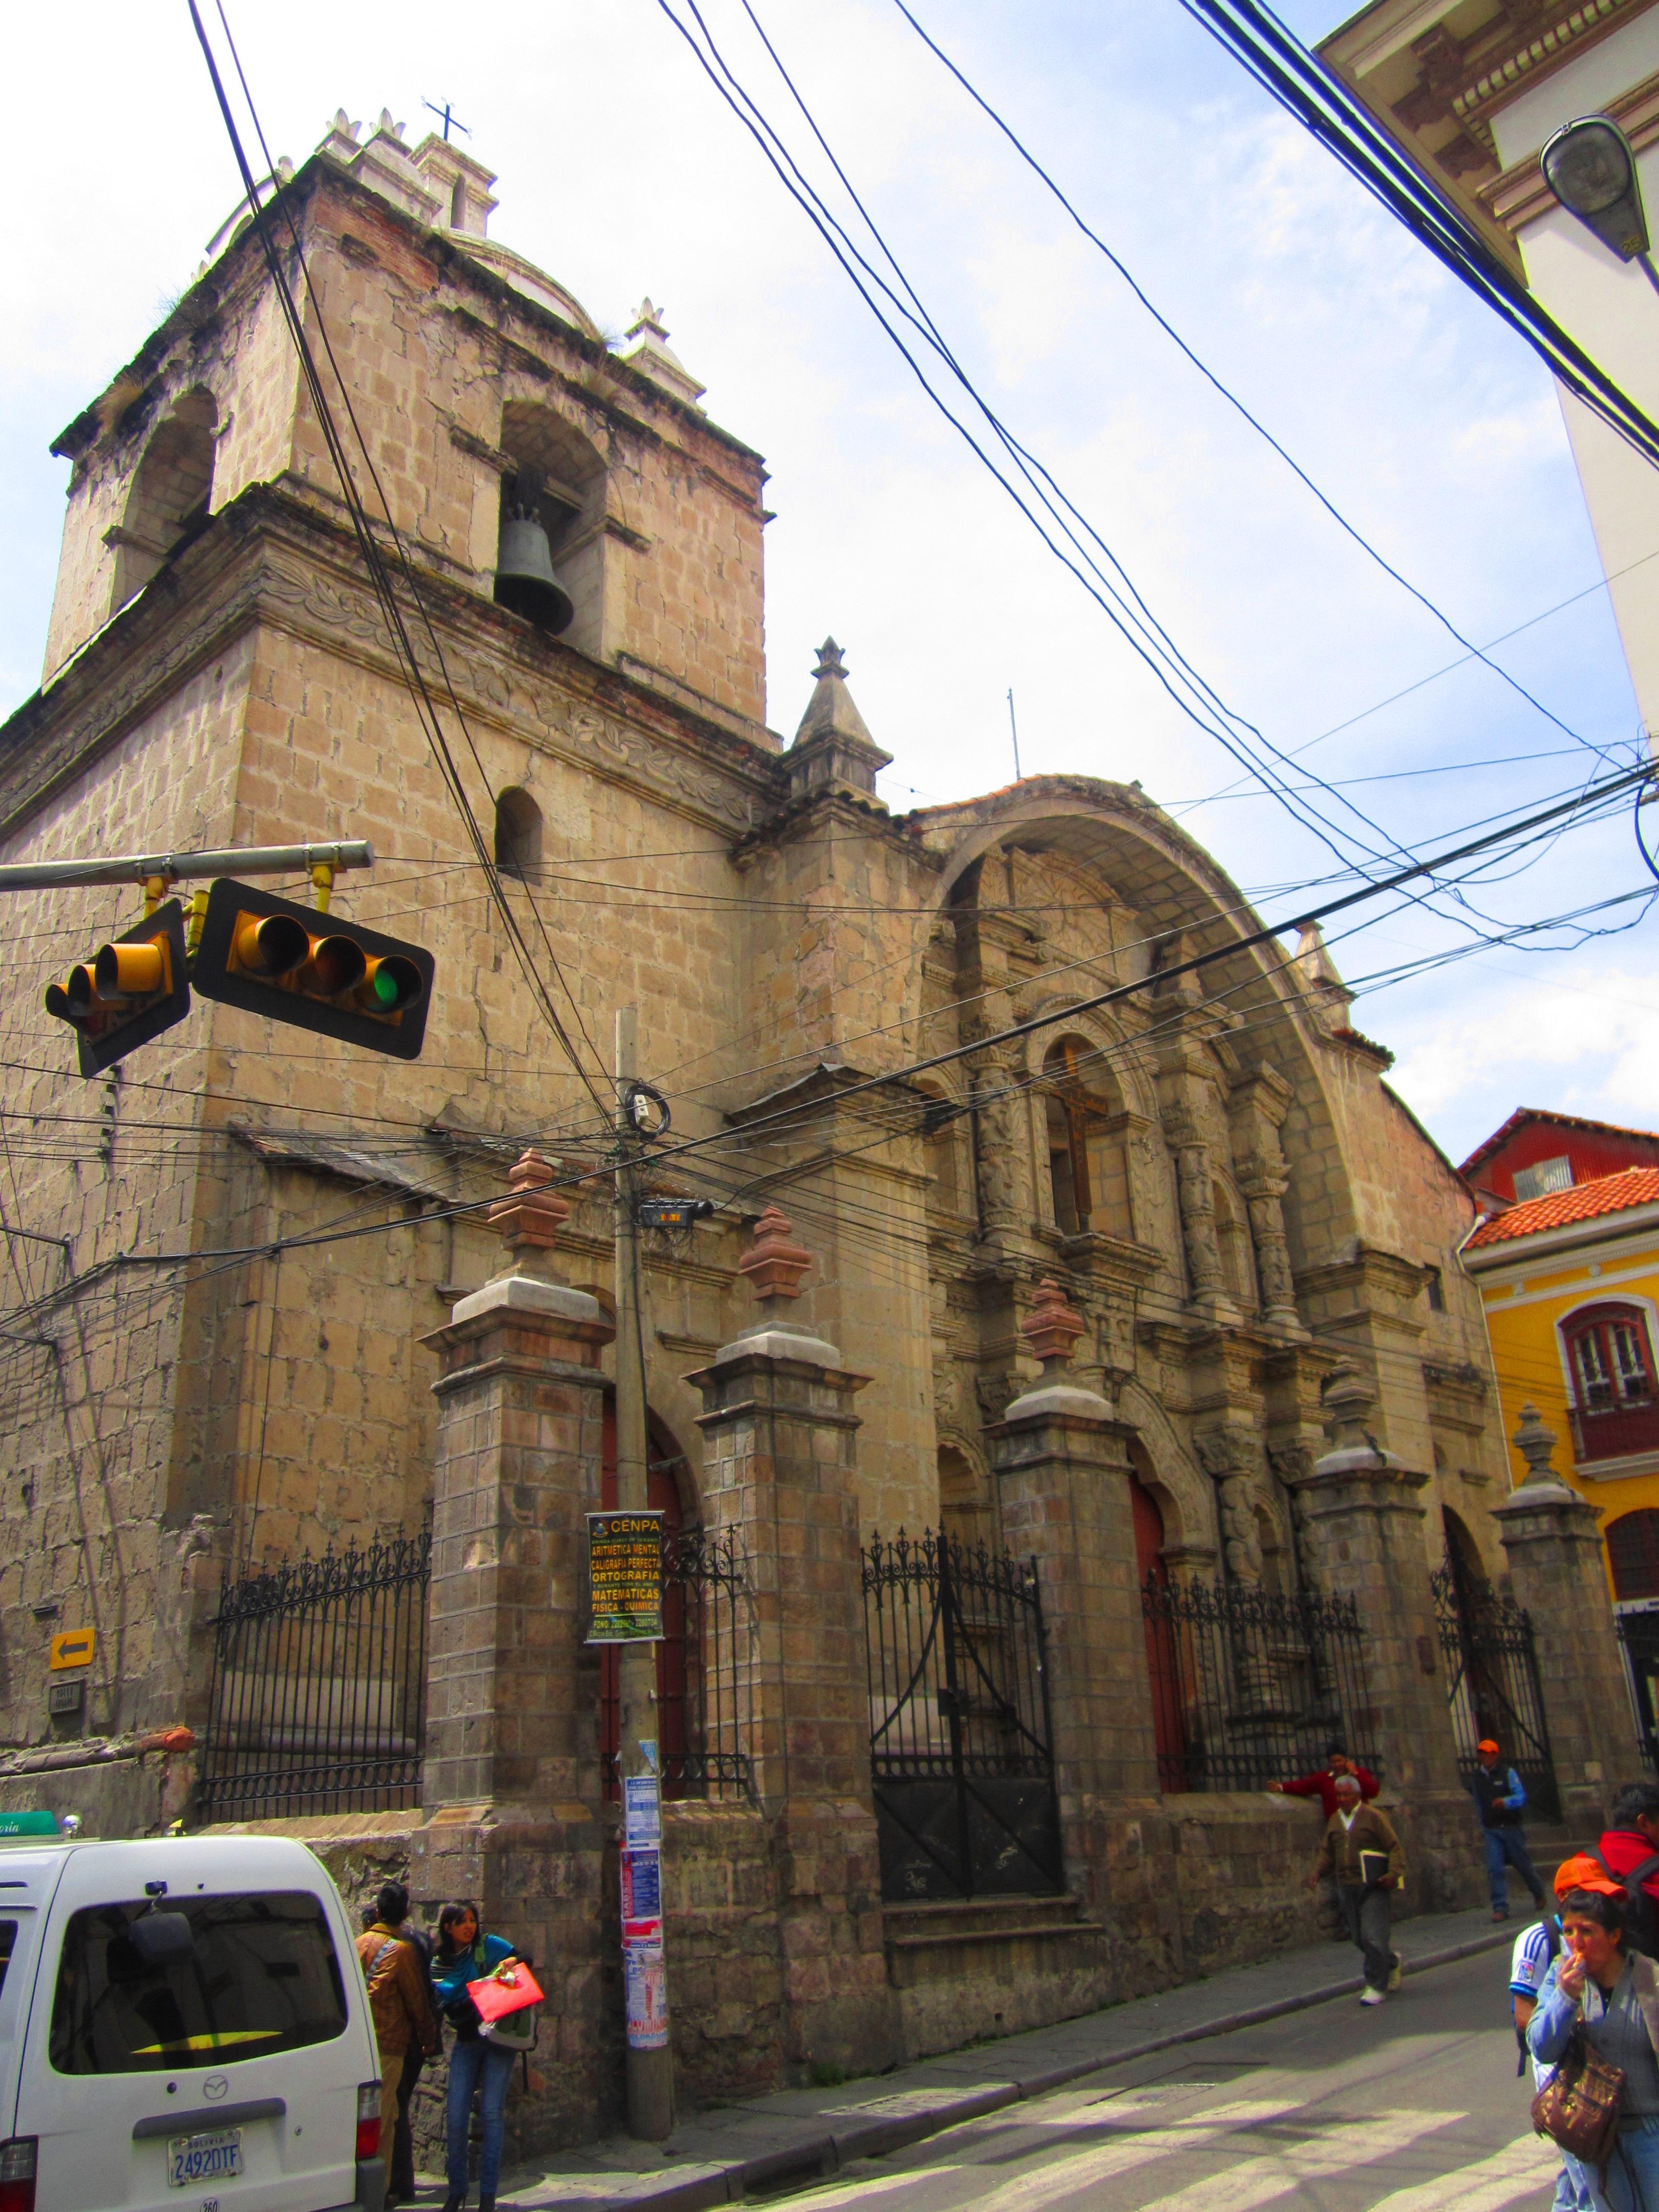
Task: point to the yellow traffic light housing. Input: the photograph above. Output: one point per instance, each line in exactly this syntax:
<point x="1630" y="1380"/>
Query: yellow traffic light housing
<point x="129" y="991"/>
<point x="292" y="963"/>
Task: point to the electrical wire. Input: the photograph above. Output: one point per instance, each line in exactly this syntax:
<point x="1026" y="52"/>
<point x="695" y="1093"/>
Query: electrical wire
<point x="1284" y="69"/>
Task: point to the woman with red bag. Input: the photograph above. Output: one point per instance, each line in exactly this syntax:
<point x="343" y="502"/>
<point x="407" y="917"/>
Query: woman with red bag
<point x="477" y="2066"/>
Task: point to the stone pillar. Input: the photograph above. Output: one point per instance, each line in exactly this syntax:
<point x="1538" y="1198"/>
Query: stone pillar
<point x="521" y="1403"/>
<point x="1361" y="1518"/>
<point x="1195" y="1196"/>
<point x="1062" y="1468"/>
<point x="779" y="1467"/>
<point x="1553" y="1547"/>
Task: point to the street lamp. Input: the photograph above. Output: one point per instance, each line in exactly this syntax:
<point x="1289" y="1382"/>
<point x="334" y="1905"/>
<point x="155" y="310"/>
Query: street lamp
<point x="1590" y="168"/>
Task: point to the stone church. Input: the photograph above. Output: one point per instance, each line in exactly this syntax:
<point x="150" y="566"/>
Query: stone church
<point x="244" y="1337"/>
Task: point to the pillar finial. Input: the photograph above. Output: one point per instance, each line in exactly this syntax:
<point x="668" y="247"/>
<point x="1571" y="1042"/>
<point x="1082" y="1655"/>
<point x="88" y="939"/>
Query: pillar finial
<point x="529" y="1220"/>
<point x="1051" y="1328"/>
<point x="772" y="1265"/>
<point x="1348" y="1397"/>
<point x="1536" y="1444"/>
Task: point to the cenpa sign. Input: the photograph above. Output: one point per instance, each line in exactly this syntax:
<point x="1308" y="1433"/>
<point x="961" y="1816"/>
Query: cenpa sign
<point x="624" y="1577"/>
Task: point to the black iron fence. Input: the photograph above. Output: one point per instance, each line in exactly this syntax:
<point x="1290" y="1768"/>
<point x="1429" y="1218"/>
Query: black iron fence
<point x="960" y="1754"/>
<point x="705" y="1671"/>
<point x="1492" y="1678"/>
<point x="317" y="1702"/>
<point x="1249" y="1685"/>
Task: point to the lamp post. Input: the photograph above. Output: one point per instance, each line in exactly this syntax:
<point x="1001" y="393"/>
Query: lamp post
<point x="1590" y="168"/>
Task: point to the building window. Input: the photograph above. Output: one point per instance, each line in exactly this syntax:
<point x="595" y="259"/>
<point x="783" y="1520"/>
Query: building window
<point x="1633" y="1554"/>
<point x="1435" y="1286"/>
<point x="1612" y="1358"/>
<point x="1088" y="1168"/>
<point x="1543" y="1177"/>
<point x="1614" y="1408"/>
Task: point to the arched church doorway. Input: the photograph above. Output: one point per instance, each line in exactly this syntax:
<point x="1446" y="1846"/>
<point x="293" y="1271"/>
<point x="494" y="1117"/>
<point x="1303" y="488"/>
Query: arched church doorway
<point x="666" y="1473"/>
<point x="1169" y="1735"/>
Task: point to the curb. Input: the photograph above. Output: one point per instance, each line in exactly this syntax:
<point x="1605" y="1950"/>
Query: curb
<point x="820" y="2155"/>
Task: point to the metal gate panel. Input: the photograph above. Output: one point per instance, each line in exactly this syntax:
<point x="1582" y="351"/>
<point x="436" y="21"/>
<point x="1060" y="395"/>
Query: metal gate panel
<point x="1492" y="1687"/>
<point x="961" y="1761"/>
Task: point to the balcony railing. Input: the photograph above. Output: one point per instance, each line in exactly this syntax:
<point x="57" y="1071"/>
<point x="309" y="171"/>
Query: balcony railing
<point x="1613" y="1431"/>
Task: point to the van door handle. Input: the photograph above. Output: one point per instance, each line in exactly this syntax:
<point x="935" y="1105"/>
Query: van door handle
<point x="211" y="2116"/>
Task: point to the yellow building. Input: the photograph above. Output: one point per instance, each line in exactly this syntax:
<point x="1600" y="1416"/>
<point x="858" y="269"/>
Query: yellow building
<point x="1569" y="1284"/>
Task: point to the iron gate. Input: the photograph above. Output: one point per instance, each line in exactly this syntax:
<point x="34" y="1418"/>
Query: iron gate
<point x="1638" y="1638"/>
<point x="318" y="1703"/>
<point x="960" y="1754"/>
<point x="1248" y="1685"/>
<point x="1491" y="1674"/>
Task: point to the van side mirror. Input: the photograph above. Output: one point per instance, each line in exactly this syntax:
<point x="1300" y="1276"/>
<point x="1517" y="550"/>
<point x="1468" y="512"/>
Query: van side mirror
<point x="161" y="1937"/>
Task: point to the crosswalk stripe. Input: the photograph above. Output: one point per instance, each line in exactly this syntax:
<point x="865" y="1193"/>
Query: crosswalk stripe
<point x="1033" y="2191"/>
<point x="1507" y="2175"/>
<point x="1278" y="2169"/>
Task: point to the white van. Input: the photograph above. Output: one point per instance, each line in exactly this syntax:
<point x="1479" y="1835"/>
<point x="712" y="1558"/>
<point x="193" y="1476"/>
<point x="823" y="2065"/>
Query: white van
<point x="182" y="2025"/>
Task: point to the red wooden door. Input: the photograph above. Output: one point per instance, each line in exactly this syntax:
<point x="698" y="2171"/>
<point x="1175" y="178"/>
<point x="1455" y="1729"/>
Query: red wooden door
<point x="663" y="1495"/>
<point x="1168" y="1736"/>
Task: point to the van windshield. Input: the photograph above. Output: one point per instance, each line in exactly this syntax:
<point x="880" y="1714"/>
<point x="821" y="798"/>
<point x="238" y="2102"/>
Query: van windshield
<point x="260" y="1976"/>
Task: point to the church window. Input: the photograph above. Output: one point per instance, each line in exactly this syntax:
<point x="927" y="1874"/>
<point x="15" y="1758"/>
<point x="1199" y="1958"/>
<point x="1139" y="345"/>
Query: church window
<point x="519" y="835"/>
<point x="1087" y="1181"/>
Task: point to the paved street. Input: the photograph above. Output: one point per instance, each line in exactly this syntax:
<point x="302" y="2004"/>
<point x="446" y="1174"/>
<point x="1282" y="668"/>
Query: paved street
<point x="1412" y="2107"/>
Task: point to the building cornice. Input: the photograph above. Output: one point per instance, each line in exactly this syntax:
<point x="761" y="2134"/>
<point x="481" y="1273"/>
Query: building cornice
<point x="1521" y="196"/>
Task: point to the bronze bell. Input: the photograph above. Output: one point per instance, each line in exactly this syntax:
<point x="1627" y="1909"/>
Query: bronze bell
<point x="525" y="578"/>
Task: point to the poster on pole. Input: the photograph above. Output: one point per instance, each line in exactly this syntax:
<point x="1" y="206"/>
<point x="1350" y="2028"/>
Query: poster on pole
<point x="646" y="1977"/>
<point x="624" y="1577"/>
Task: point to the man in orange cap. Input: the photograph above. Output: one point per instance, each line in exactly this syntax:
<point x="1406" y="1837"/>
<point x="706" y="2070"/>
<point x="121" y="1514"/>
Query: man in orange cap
<point x="1500" y="1797"/>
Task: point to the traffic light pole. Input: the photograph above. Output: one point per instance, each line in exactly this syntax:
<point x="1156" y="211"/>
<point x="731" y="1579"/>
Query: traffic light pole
<point x="185" y="867"/>
<point x="650" y="2061"/>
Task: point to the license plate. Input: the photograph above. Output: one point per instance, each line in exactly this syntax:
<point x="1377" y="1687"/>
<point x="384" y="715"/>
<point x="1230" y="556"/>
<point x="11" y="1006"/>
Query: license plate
<point x="216" y="2157"/>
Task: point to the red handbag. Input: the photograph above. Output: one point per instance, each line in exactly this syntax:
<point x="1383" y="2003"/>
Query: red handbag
<point x="510" y="1989"/>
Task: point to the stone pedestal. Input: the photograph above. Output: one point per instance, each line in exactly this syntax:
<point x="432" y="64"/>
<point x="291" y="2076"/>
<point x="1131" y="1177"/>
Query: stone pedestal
<point x="779" y="1430"/>
<point x="1062" y="1468"/>
<point x="1553" y="1547"/>
<point x="520" y="1427"/>
<point x="1361" y="1516"/>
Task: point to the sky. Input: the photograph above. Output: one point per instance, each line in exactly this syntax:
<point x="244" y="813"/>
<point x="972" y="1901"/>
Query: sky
<point x="1432" y="429"/>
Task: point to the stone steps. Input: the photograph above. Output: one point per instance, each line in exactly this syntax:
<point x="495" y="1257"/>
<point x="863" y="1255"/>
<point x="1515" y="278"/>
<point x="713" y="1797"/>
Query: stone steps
<point x="957" y="1921"/>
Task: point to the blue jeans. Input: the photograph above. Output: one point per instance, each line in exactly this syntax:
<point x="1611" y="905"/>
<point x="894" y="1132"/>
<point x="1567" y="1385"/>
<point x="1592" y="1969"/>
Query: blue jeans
<point x="1633" y="2171"/>
<point x="1575" y="2188"/>
<point x="470" y="2066"/>
<point x="1506" y="1848"/>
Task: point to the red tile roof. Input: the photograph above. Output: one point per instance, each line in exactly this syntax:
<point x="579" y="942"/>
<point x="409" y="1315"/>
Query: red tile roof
<point x="1586" y="1202"/>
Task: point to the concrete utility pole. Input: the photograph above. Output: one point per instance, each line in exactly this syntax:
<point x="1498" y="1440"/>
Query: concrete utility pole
<point x="650" y="2063"/>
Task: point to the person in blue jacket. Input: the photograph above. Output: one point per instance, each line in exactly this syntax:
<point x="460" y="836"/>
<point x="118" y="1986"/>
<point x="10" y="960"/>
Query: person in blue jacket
<point x="477" y="2067"/>
<point x="1615" y="1992"/>
<point x="1500" y="1798"/>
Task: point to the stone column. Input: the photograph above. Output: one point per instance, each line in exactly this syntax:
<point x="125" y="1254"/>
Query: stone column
<point x="1195" y="1196"/>
<point x="779" y="1467"/>
<point x="1361" y="1519"/>
<point x="1062" y="1468"/>
<point x="521" y="1403"/>
<point x="1553" y="1547"/>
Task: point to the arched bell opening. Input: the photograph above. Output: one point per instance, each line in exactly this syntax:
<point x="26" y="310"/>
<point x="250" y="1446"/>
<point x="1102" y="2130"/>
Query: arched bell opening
<point x="171" y="494"/>
<point x="549" y="558"/>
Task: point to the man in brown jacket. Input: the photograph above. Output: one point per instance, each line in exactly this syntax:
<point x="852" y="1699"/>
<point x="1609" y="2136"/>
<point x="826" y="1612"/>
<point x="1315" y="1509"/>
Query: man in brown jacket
<point x="398" y="1998"/>
<point x="1363" y="1851"/>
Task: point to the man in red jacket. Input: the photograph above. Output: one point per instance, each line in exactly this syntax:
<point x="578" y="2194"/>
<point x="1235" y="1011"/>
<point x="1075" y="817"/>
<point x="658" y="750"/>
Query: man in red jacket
<point x="1633" y="1838"/>
<point x="1323" y="1785"/>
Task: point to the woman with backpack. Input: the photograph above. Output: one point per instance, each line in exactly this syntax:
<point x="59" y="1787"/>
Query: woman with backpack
<point x="477" y="2065"/>
<point x="1613" y="1992"/>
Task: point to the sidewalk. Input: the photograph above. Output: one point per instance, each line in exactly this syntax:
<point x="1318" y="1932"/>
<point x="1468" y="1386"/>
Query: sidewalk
<point x="798" y="2135"/>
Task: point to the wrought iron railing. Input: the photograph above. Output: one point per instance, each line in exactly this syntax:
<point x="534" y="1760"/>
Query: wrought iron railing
<point x="960" y="1755"/>
<point x="705" y="1671"/>
<point x="1249" y="1687"/>
<point x="317" y="1699"/>
<point x="1491" y="1681"/>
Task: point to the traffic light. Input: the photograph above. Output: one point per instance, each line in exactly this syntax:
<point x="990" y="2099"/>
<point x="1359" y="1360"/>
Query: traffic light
<point x="273" y="956"/>
<point x="129" y="991"/>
